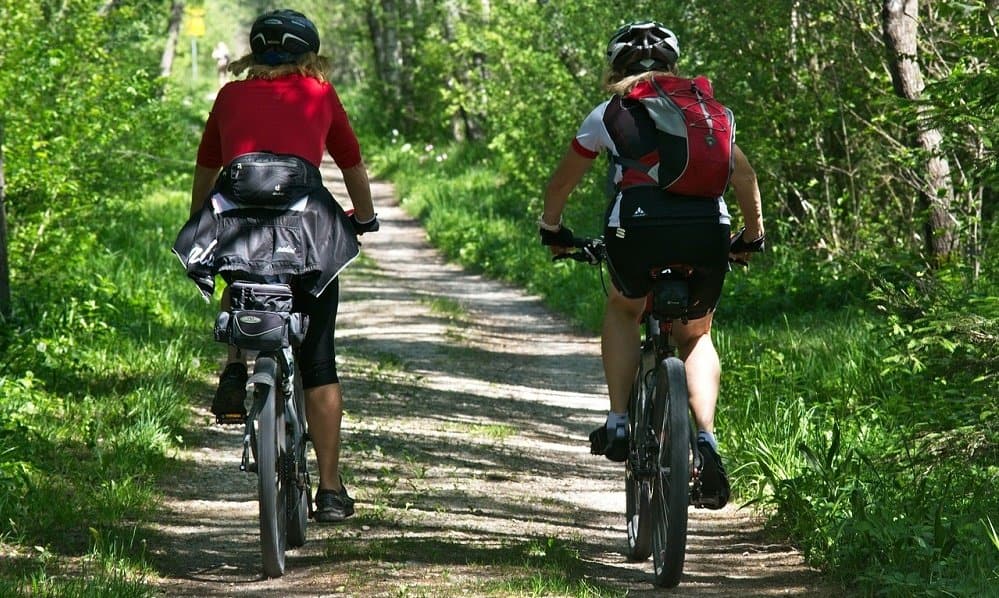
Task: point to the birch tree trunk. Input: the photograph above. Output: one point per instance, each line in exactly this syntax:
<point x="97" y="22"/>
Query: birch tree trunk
<point x="173" y="35"/>
<point x="900" y="28"/>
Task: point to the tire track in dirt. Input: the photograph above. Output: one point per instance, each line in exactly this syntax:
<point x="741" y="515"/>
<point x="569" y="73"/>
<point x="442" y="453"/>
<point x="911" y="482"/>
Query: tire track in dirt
<point x="468" y="406"/>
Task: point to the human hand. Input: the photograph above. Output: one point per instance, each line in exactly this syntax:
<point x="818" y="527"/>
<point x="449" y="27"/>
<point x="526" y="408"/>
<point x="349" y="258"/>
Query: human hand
<point x="360" y="228"/>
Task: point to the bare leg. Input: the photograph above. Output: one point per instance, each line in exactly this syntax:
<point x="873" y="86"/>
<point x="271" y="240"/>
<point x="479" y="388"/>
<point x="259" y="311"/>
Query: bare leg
<point x="620" y="346"/>
<point x="324" y="410"/>
<point x="702" y="366"/>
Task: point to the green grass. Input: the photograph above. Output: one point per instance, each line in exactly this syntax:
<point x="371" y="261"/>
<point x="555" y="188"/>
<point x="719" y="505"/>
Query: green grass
<point x="94" y="398"/>
<point x="542" y="566"/>
<point x="445" y="307"/>
<point x="498" y="432"/>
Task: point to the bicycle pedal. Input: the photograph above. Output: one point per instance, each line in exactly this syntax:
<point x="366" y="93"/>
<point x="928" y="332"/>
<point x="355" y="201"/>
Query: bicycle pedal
<point x="230" y="419"/>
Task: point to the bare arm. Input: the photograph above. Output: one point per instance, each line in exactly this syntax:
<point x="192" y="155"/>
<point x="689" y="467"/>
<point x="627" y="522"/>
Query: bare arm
<point x="204" y="180"/>
<point x="567" y="175"/>
<point x="359" y="190"/>
<point x="747" y="194"/>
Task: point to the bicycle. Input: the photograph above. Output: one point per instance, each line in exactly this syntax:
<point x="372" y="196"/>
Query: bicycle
<point x="275" y="438"/>
<point x="663" y="466"/>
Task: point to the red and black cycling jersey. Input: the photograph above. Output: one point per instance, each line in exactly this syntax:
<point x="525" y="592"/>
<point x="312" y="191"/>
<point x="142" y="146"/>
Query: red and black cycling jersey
<point x="304" y="118"/>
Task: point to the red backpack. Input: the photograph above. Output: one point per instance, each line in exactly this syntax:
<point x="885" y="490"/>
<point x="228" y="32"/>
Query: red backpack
<point x="695" y="137"/>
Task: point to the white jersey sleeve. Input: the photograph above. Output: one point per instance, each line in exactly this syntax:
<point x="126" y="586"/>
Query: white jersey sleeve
<point x="592" y="136"/>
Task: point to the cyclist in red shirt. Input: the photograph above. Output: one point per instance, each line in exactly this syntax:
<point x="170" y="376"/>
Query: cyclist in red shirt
<point x="287" y="106"/>
<point x="646" y="227"/>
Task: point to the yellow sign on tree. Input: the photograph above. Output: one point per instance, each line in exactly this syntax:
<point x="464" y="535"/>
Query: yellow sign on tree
<point x="194" y="21"/>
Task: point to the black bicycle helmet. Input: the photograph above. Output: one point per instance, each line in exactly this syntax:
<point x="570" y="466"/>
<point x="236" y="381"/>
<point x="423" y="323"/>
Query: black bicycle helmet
<point x="281" y="36"/>
<point x="642" y="46"/>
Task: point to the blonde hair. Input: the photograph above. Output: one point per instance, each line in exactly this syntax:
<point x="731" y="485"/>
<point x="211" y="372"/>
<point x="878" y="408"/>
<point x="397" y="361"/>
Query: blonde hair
<point x="620" y="83"/>
<point x="308" y="64"/>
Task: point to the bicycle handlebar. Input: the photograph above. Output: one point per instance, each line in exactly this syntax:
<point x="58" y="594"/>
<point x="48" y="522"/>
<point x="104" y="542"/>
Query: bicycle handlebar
<point x="594" y="252"/>
<point x="591" y="251"/>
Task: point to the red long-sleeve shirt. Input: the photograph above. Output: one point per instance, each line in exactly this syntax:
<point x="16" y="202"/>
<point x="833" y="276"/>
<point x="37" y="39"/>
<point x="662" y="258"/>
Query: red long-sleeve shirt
<point x="291" y="115"/>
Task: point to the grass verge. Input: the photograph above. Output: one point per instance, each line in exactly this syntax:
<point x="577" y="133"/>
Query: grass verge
<point x="99" y="362"/>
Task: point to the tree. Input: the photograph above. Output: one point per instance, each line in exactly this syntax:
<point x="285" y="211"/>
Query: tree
<point x="900" y="30"/>
<point x="173" y="33"/>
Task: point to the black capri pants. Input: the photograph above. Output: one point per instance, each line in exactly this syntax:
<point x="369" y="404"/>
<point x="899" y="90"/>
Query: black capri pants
<point x="317" y="354"/>
<point x="669" y="231"/>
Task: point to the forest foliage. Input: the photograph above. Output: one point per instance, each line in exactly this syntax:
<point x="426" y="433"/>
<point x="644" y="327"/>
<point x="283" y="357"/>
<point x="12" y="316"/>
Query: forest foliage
<point x="861" y="373"/>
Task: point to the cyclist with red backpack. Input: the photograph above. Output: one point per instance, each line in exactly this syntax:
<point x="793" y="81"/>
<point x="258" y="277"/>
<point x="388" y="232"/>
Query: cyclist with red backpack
<point x="672" y="155"/>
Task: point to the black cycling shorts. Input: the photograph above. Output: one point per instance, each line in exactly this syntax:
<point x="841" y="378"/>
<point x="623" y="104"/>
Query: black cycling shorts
<point x="317" y="355"/>
<point x="695" y="235"/>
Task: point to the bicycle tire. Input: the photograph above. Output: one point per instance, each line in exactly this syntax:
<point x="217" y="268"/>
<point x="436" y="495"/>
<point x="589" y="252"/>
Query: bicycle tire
<point x="298" y="496"/>
<point x="271" y="486"/>
<point x="671" y="485"/>
<point x="638" y="490"/>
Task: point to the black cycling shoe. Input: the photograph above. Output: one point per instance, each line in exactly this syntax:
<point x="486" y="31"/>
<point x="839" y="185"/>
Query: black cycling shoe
<point x="229" y="405"/>
<point x="615" y="449"/>
<point x="333" y="505"/>
<point x="714" y="488"/>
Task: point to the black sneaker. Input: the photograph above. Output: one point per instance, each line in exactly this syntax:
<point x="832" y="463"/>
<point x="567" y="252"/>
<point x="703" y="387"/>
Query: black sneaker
<point x="229" y="405"/>
<point x="615" y="449"/>
<point x="333" y="505"/>
<point x="714" y="488"/>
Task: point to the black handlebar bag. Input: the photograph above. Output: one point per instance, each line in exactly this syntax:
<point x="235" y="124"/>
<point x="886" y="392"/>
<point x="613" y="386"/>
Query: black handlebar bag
<point x="266" y="179"/>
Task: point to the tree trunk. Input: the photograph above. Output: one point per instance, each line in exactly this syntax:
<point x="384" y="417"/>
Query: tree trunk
<point x="465" y="125"/>
<point x="4" y="271"/>
<point x="383" y="27"/>
<point x="900" y="28"/>
<point x="173" y="35"/>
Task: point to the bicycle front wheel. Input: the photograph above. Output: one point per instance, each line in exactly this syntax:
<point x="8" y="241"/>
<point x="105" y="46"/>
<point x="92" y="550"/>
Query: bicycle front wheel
<point x="671" y="485"/>
<point x="271" y="481"/>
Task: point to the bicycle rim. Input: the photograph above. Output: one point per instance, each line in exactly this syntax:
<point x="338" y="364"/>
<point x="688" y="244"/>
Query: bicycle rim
<point x="637" y="491"/>
<point x="271" y="489"/>
<point x="671" y="487"/>
<point x="298" y="497"/>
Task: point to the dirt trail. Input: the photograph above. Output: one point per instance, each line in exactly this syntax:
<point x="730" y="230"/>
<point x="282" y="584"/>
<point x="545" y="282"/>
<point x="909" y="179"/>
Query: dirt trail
<point x="468" y="406"/>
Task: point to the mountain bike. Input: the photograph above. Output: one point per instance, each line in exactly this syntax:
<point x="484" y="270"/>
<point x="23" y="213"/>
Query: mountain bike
<point x="663" y="465"/>
<point x="275" y="439"/>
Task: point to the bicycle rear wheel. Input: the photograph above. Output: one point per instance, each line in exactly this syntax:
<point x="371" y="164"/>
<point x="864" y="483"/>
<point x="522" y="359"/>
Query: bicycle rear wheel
<point x="297" y="471"/>
<point x="271" y="483"/>
<point x="671" y="485"/>
<point x="638" y="514"/>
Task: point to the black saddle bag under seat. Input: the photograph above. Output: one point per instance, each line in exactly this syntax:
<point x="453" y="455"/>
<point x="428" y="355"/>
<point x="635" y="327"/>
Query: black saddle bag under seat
<point x="260" y="318"/>
<point x="265" y="178"/>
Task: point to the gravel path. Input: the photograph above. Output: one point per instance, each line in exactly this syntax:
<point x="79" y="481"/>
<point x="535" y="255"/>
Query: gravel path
<point x="468" y="406"/>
